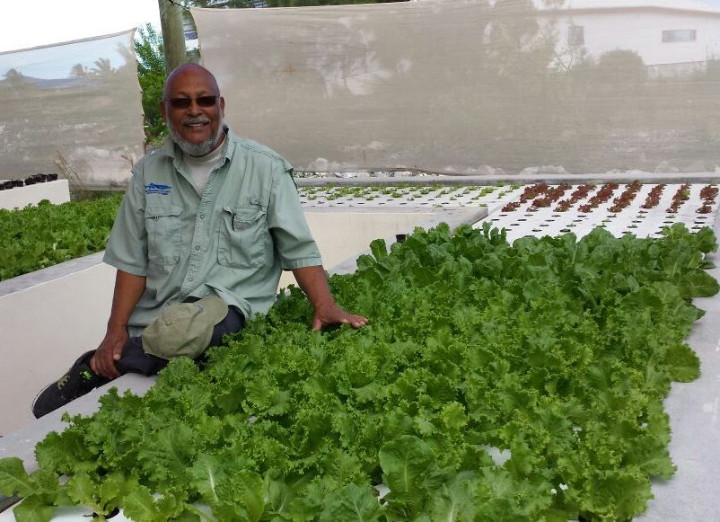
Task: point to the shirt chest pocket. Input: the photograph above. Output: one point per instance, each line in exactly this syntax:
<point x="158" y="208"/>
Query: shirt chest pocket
<point x="164" y="231"/>
<point x="243" y="236"/>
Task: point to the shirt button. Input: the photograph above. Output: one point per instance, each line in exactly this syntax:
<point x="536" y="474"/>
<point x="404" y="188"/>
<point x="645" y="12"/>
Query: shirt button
<point x="202" y="216"/>
<point x="191" y="279"/>
<point x="197" y="247"/>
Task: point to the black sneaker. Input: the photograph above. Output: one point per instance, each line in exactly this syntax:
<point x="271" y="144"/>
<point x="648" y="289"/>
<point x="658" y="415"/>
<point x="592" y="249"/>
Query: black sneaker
<point x="79" y="380"/>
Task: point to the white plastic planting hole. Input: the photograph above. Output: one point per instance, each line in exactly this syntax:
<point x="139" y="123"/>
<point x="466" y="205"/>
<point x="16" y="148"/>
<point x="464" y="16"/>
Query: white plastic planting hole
<point x="639" y="209"/>
<point x="541" y="209"/>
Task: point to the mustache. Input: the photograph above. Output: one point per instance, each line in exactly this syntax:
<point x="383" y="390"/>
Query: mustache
<point x="198" y="119"/>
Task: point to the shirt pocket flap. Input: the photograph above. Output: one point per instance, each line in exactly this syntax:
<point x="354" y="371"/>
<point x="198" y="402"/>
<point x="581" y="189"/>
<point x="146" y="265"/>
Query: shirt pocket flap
<point x="160" y="211"/>
<point x="244" y="218"/>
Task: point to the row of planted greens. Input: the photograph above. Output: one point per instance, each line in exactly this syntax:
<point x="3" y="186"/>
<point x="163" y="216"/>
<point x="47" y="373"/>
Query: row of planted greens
<point x="40" y="236"/>
<point x="495" y="382"/>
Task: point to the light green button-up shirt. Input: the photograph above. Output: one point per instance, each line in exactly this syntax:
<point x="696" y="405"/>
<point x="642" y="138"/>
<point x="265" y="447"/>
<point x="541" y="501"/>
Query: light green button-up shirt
<point x="233" y="241"/>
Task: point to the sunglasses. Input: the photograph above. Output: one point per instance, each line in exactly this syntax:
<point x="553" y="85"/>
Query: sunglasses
<point x="184" y="103"/>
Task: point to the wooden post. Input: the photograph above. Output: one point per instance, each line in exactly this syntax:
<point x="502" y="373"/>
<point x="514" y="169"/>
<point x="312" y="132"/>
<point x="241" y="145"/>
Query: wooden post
<point x="173" y="35"/>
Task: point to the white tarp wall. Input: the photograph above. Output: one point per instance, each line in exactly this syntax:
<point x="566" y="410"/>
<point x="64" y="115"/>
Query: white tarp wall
<point x="457" y="85"/>
<point x="72" y="108"/>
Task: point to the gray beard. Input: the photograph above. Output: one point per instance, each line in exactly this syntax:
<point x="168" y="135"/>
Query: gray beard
<point x="197" y="149"/>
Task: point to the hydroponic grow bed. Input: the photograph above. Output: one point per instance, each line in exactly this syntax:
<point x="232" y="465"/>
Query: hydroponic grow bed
<point x="672" y="504"/>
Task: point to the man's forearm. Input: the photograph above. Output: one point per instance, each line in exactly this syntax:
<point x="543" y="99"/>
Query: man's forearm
<point x="128" y="290"/>
<point x="313" y="282"/>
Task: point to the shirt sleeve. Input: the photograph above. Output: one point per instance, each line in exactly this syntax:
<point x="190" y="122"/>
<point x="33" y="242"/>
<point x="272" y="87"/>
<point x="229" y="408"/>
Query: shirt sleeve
<point x="127" y="247"/>
<point x="291" y="235"/>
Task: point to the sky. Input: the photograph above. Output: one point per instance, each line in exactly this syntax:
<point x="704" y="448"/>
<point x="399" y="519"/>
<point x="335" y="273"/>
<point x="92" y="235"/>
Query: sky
<point x="31" y="23"/>
<point x="34" y="23"/>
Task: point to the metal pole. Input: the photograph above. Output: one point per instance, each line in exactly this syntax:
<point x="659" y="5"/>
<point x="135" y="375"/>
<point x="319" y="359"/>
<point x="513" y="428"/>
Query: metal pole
<point x="173" y="35"/>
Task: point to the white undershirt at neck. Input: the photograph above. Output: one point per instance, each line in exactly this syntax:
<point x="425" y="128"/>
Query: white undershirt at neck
<point x="201" y="167"/>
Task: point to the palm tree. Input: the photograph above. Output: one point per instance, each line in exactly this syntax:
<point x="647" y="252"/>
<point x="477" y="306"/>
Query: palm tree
<point x="103" y="67"/>
<point x="78" y="71"/>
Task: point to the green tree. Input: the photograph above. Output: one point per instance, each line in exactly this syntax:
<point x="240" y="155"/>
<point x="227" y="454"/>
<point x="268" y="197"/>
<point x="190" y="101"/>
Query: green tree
<point x="622" y="66"/>
<point x="235" y="4"/>
<point x="151" y="74"/>
<point x="15" y="78"/>
<point x="302" y="3"/>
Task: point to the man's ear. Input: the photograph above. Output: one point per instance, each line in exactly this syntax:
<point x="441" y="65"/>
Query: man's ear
<point x="222" y="105"/>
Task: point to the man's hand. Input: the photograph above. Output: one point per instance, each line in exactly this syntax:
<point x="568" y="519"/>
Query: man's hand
<point x="109" y="352"/>
<point x="313" y="282"/>
<point x="329" y="314"/>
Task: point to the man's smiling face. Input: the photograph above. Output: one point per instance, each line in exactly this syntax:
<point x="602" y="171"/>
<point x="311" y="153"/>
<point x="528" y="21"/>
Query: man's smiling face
<point x="193" y="110"/>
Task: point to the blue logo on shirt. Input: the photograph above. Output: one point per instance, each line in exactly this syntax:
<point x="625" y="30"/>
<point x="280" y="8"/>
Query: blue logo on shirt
<point x="155" y="188"/>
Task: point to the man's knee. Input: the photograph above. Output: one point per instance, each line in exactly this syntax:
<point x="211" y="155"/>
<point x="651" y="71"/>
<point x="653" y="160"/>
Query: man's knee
<point x="233" y="322"/>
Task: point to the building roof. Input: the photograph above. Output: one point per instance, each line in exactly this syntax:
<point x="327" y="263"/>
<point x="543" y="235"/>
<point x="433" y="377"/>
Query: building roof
<point x="701" y="6"/>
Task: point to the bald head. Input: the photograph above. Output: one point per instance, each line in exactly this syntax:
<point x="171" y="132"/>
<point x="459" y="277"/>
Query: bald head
<point x="188" y="70"/>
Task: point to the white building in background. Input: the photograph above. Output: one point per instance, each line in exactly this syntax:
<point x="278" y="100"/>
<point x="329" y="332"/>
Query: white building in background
<point x="673" y="37"/>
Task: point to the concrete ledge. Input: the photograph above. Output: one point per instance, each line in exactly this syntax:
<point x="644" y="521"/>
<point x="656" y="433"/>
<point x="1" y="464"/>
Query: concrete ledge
<point x="694" y="410"/>
<point x="56" y="192"/>
<point x="51" y="273"/>
<point x="48" y="318"/>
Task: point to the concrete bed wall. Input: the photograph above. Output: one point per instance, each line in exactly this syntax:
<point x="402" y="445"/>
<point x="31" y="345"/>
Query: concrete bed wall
<point x="47" y="319"/>
<point x="56" y="192"/>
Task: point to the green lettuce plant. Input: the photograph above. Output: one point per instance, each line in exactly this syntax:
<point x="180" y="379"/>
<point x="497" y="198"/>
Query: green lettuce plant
<point x="495" y="382"/>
